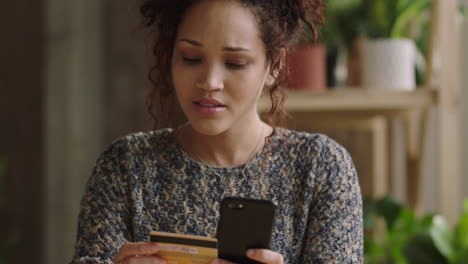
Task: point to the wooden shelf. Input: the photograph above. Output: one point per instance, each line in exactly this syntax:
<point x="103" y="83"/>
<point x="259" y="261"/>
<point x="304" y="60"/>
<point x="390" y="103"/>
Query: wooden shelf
<point x="351" y="104"/>
<point x="354" y="99"/>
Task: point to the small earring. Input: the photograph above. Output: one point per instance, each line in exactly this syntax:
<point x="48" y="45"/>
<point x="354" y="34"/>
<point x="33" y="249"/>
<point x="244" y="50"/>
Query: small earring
<point x="270" y="80"/>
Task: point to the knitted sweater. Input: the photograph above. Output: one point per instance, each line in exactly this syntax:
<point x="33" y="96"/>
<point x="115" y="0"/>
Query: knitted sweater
<point x="145" y="182"/>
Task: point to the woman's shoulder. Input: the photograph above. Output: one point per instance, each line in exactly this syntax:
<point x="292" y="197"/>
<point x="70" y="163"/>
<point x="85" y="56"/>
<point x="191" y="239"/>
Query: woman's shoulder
<point x="303" y="140"/>
<point x="309" y="147"/>
<point x="140" y="143"/>
<point x="317" y="152"/>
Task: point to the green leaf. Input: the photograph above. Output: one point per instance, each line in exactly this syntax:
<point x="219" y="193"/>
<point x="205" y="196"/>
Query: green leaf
<point x="420" y="249"/>
<point x="397" y="237"/>
<point x="415" y="9"/>
<point x="461" y="257"/>
<point x="396" y="251"/>
<point x="426" y="223"/>
<point x="380" y="17"/>
<point x="461" y="229"/>
<point x="443" y="237"/>
<point x="389" y="209"/>
<point x="463" y="11"/>
<point x="402" y="5"/>
<point x="371" y="247"/>
<point x="342" y="6"/>
<point x="406" y="223"/>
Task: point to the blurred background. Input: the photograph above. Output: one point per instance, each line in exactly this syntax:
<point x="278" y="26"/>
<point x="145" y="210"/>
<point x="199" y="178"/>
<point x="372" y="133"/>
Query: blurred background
<point x="387" y="79"/>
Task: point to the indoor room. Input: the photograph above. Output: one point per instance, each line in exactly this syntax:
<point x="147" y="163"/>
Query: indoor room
<point x="120" y="119"/>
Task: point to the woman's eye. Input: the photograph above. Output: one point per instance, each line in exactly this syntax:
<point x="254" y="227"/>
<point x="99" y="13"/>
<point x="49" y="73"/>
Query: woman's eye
<point x="236" y="66"/>
<point x="191" y="61"/>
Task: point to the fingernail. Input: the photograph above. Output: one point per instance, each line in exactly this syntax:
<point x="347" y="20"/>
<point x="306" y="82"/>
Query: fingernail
<point x="251" y="252"/>
<point x="215" y="261"/>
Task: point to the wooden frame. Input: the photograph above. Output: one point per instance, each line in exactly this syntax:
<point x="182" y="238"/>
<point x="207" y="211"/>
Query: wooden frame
<point x="413" y="108"/>
<point x="446" y="49"/>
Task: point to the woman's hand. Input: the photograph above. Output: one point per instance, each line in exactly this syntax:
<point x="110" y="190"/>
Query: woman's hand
<point x="139" y="253"/>
<point x="260" y="255"/>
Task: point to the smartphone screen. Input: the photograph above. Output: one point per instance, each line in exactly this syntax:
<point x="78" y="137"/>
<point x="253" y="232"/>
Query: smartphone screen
<point x="244" y="224"/>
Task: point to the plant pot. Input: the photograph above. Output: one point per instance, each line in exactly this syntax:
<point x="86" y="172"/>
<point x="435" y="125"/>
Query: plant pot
<point x="389" y="64"/>
<point x="308" y="68"/>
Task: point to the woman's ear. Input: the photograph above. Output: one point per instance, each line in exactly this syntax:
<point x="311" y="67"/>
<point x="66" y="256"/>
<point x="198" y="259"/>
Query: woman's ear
<point x="270" y="80"/>
<point x="282" y="59"/>
<point x="272" y="76"/>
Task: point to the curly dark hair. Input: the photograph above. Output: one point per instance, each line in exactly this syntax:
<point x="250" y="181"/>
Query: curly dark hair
<point x="279" y="21"/>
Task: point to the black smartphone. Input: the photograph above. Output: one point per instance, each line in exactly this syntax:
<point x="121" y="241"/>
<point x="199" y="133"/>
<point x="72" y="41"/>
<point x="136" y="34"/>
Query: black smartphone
<point x="244" y="224"/>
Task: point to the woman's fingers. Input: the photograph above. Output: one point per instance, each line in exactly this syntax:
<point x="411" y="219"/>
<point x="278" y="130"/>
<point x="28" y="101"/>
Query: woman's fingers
<point x="265" y="256"/>
<point x="261" y="255"/>
<point x="144" y="260"/>
<point x="221" y="261"/>
<point x="136" y="249"/>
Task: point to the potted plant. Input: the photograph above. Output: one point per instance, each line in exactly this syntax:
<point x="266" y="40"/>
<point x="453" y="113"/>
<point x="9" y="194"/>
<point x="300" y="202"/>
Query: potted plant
<point x="379" y="36"/>
<point x="344" y="24"/>
<point x="356" y="25"/>
<point x="390" y="54"/>
<point x="307" y="62"/>
<point x="409" y="239"/>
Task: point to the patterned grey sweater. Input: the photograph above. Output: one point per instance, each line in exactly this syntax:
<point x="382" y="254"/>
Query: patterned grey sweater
<point x="145" y="182"/>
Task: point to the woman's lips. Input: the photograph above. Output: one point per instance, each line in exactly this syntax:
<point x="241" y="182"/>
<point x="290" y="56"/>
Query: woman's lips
<point x="209" y="106"/>
<point x="209" y="102"/>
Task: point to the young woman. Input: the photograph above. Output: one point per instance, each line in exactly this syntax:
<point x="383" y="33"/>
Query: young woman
<point x="217" y="56"/>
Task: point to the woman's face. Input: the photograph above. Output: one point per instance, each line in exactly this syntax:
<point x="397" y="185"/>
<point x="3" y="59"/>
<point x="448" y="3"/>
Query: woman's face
<point x="219" y="67"/>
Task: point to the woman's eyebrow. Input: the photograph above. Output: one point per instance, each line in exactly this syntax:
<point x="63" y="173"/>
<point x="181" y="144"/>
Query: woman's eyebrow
<point x="193" y="42"/>
<point x="227" y="48"/>
<point x="233" y="49"/>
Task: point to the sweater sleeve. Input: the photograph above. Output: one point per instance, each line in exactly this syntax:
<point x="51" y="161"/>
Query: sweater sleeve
<point x="103" y="224"/>
<point x="335" y="224"/>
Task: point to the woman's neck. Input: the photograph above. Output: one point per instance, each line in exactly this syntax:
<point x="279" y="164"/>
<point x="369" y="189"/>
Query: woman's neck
<point x="228" y="149"/>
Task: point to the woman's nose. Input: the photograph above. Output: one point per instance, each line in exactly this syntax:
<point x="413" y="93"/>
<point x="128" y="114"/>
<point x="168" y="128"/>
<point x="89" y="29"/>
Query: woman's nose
<point x="211" y="80"/>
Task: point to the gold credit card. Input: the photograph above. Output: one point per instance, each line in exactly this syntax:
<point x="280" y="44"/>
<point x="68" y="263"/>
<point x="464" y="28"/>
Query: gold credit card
<point x="185" y="249"/>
